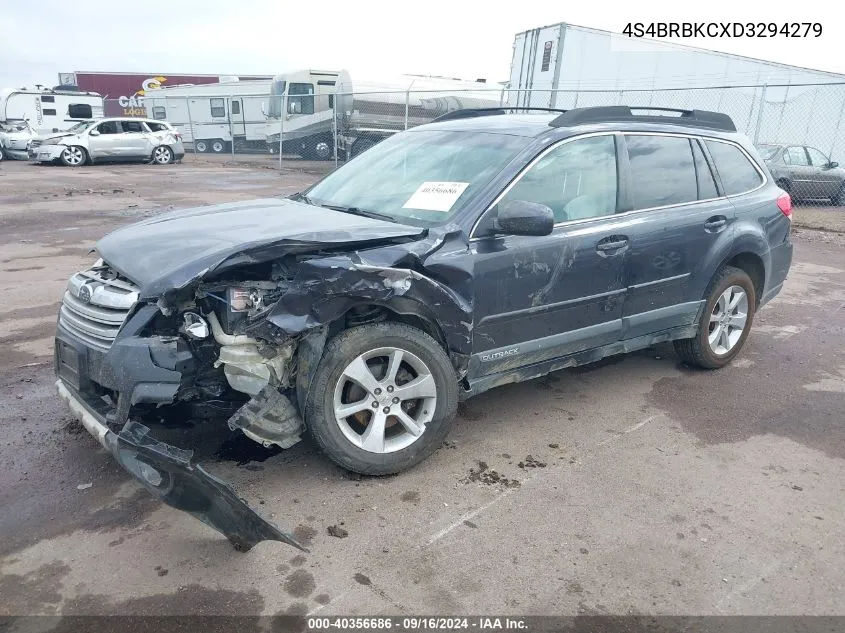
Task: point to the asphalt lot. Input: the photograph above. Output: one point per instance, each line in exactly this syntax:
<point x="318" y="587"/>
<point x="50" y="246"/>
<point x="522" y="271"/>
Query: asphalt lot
<point x="651" y="488"/>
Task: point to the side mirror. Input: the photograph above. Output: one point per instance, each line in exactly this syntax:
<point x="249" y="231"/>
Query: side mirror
<point x="518" y="217"/>
<point x="832" y="164"/>
<point x="94" y="132"/>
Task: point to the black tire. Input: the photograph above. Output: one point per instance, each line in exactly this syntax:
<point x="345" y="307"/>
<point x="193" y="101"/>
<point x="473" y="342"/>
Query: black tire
<point x="201" y="146"/>
<point x="318" y="149"/>
<point x="342" y="350"/>
<point x="70" y="156"/>
<point x="696" y="351"/>
<point x="218" y="146"/>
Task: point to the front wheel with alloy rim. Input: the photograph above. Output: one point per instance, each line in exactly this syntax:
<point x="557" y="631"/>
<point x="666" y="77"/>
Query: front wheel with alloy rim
<point x="725" y="321"/>
<point x="73" y="156"/>
<point x="162" y="155"/>
<point x="383" y="398"/>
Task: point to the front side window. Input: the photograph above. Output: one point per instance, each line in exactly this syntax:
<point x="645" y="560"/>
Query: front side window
<point x="108" y="127"/>
<point x="817" y="159"/>
<point x="797" y="156"/>
<point x="737" y="173"/>
<point x="218" y="107"/>
<point x="301" y="99"/>
<point x="576" y="180"/>
<point x="421" y="177"/>
<point x="662" y="171"/>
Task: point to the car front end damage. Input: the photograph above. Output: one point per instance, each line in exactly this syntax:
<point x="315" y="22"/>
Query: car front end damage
<point x="230" y="339"/>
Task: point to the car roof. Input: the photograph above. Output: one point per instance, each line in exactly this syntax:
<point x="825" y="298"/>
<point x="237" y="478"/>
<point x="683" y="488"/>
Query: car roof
<point x="543" y="124"/>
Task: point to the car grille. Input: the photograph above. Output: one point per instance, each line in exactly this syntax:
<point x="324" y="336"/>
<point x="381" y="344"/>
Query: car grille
<point x="96" y="304"/>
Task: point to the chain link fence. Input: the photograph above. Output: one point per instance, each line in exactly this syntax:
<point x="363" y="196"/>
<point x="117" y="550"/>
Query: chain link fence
<point x="337" y="126"/>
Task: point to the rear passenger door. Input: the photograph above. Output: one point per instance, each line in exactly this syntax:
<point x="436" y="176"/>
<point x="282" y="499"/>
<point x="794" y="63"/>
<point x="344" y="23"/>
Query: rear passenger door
<point x="676" y="216"/>
<point x="135" y="140"/>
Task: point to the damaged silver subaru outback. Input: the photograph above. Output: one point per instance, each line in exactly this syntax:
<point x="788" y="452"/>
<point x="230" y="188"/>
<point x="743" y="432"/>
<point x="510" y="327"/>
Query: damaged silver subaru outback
<point x="483" y="249"/>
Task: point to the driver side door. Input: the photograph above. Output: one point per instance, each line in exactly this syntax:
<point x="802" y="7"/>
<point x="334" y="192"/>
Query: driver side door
<point x="540" y="298"/>
<point x="105" y="144"/>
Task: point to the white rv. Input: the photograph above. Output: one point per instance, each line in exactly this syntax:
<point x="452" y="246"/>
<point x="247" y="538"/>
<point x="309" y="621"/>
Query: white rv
<point x="301" y="109"/>
<point x="28" y="113"/>
<point x="214" y="116"/>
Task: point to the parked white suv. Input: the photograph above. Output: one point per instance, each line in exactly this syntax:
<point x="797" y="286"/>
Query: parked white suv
<point x="112" y="139"/>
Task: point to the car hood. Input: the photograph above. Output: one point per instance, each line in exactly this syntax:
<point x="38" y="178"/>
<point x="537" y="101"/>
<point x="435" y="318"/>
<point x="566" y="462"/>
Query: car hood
<point x="172" y="250"/>
<point x="56" y="137"/>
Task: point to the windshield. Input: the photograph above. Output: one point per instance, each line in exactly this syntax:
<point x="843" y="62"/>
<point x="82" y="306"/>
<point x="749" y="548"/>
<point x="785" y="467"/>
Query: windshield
<point x="79" y="126"/>
<point x="419" y="177"/>
<point x="277" y="89"/>
<point x="768" y="152"/>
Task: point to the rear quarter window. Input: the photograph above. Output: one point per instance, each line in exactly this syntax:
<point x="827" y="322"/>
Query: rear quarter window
<point x="736" y="171"/>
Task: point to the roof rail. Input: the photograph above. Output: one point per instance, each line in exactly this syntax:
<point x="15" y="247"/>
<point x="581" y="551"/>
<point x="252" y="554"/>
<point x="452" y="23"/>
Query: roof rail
<point x="469" y="113"/>
<point x="700" y="118"/>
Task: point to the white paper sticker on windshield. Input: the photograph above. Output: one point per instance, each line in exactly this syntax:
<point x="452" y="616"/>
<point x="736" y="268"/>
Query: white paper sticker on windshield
<point x="436" y="196"/>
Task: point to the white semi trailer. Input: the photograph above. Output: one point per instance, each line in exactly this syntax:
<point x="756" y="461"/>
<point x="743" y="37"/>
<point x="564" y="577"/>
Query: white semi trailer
<point x="212" y="117"/>
<point x="305" y="107"/>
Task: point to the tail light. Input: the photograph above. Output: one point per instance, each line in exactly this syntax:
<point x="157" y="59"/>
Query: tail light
<point x="785" y="204"/>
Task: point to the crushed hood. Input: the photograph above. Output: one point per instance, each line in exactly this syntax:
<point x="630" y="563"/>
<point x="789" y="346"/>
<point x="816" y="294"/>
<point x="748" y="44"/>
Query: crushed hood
<point x="171" y="250"/>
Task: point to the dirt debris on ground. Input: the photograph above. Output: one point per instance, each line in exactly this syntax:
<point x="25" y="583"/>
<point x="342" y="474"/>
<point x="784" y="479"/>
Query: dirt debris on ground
<point x="483" y="474"/>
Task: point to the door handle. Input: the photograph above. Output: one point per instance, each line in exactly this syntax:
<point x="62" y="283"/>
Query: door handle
<point x="715" y="224"/>
<point x="610" y="244"/>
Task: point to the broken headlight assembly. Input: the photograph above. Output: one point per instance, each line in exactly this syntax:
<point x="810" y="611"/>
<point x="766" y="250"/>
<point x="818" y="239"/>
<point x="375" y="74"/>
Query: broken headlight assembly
<point x="245" y="301"/>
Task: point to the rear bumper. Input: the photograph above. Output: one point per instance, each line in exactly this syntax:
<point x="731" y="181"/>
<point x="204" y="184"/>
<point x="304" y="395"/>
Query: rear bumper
<point x="780" y="262"/>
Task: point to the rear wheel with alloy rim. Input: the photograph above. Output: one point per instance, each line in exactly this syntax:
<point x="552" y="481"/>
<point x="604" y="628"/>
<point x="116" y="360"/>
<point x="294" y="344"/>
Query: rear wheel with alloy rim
<point x="725" y="321"/>
<point x="162" y="155"/>
<point x="383" y="398"/>
<point x="73" y="156"/>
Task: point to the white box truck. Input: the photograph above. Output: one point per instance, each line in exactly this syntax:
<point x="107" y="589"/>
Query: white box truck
<point x="28" y="113"/>
<point x="212" y="117"/>
<point x="304" y="106"/>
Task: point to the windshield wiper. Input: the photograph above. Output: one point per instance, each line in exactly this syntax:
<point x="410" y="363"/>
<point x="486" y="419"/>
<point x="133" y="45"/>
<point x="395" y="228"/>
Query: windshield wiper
<point x="357" y="211"/>
<point x="375" y="215"/>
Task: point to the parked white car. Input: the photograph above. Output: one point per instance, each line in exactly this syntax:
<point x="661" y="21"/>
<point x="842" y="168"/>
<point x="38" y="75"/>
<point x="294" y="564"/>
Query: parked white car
<point x="15" y="139"/>
<point x="110" y="139"/>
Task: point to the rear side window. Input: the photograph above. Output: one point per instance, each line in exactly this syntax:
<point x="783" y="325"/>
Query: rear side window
<point x="132" y="126"/>
<point x="156" y="127"/>
<point x="706" y="184"/>
<point x="797" y="156"/>
<point x="662" y="171"/>
<point x="736" y="171"/>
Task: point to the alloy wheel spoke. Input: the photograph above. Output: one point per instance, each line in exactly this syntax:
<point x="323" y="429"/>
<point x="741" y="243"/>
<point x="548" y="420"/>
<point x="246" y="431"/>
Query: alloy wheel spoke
<point x="724" y="339"/>
<point x="408" y="422"/>
<point x="373" y="438"/>
<point x="420" y="387"/>
<point x="345" y="410"/>
<point x="394" y="361"/>
<point x="359" y="372"/>
<point x="735" y="299"/>
<point x="713" y="337"/>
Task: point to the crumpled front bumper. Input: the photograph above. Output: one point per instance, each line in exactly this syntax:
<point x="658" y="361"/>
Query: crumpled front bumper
<point x="168" y="473"/>
<point x="45" y="153"/>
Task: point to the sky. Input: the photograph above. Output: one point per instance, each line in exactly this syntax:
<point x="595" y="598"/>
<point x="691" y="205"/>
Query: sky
<point x="469" y="39"/>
